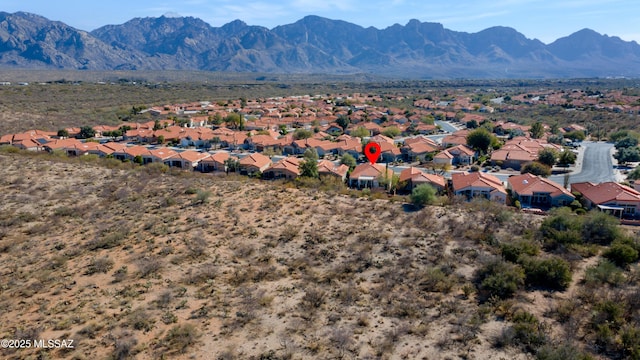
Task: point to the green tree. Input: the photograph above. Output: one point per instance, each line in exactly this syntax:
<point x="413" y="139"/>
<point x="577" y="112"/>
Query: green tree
<point x="430" y="119"/>
<point x="217" y="119"/>
<point x="536" y="168"/>
<point x="232" y="164"/>
<point x="567" y="157"/>
<point x="360" y="132"/>
<point x="575" y="135"/>
<point x="626" y="142"/>
<point x="309" y="166"/>
<point x="537" y="130"/>
<point x="618" y="135"/>
<point x="86" y="132"/>
<point x="625" y="155"/>
<point x="300" y="134"/>
<point x="349" y="160"/>
<point x="391" y="132"/>
<point x="63" y="133"/>
<point x="234" y="120"/>
<point x="480" y="139"/>
<point x="282" y="128"/>
<point x="161" y="139"/>
<point x="548" y="156"/>
<point x="423" y="194"/>
<point x="157" y="125"/>
<point x="472" y="124"/>
<point x="600" y="228"/>
<point x="343" y="122"/>
<point x="634" y="174"/>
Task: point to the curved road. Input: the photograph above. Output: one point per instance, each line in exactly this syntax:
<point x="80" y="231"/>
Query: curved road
<point x="597" y="165"/>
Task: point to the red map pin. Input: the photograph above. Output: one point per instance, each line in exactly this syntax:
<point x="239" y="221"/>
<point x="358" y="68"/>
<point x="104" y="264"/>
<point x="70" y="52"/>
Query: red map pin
<point x="372" y="152"/>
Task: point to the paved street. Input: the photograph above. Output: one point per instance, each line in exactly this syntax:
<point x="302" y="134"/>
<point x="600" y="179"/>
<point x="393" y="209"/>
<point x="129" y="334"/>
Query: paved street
<point x="596" y="165"/>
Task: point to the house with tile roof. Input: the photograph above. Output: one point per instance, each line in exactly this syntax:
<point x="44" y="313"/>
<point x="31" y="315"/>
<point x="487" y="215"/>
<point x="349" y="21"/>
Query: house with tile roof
<point x="413" y="177"/>
<point x="106" y="149"/>
<point x="214" y="162"/>
<point x="518" y="151"/>
<point x="6" y="139"/>
<point x="368" y="175"/>
<point x="538" y="192"/>
<point x="287" y="168"/>
<point x="28" y="144"/>
<point x="187" y="159"/>
<point x="478" y="185"/>
<point x="456" y="155"/>
<point x="254" y="163"/>
<point x="329" y="168"/>
<point x="618" y="199"/>
<point x="158" y="155"/>
<point x="457" y="138"/>
<point x="418" y="148"/>
<point x="130" y="152"/>
<point x="66" y="145"/>
<point x="389" y="152"/>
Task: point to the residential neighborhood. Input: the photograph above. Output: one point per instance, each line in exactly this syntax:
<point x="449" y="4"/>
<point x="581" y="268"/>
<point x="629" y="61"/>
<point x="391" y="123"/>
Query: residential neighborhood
<point x="269" y="139"/>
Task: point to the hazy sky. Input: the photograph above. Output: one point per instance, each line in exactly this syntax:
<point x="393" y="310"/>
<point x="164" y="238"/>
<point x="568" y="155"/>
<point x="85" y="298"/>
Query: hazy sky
<point x="540" y="19"/>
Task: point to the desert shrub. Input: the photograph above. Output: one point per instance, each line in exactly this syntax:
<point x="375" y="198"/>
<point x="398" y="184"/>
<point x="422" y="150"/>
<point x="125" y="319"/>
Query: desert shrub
<point x="91" y="330"/>
<point x="553" y="273"/>
<point x="600" y="228"/>
<point x="124" y="347"/>
<point x="289" y="233"/>
<point x="562" y="227"/>
<point x="512" y="251"/>
<point x="312" y="299"/>
<point x="630" y="342"/>
<point x="561" y="352"/>
<point x="621" y="253"/>
<point x="604" y="273"/>
<point x="169" y="318"/>
<point x="500" y="279"/>
<point x="202" y="196"/>
<point x="108" y="240"/>
<point x="8" y="149"/>
<point x="149" y="266"/>
<point x="423" y="194"/>
<point x="608" y="312"/>
<point x="434" y="280"/>
<point x="181" y="337"/>
<point x="527" y="332"/>
<point x="120" y="274"/>
<point x="100" y="265"/>
<point x="140" y="320"/>
<point x="64" y="211"/>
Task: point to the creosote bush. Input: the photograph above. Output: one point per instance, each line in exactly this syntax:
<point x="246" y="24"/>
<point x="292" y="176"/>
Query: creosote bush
<point x="501" y="279"/>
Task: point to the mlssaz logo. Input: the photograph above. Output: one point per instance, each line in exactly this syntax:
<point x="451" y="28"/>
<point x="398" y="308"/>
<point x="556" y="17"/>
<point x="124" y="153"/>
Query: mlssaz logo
<point x="54" y="344"/>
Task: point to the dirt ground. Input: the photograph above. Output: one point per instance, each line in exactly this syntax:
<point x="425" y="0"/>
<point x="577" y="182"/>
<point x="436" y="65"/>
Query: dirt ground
<point x="137" y="263"/>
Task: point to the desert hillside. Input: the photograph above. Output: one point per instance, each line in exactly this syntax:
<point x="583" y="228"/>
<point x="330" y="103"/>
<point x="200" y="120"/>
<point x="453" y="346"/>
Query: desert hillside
<point x="141" y="262"/>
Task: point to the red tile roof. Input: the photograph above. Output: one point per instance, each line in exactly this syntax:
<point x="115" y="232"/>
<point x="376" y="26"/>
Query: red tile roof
<point x="256" y="159"/>
<point x="416" y="175"/>
<point x="330" y="168"/>
<point x="477" y="180"/>
<point x="370" y="170"/>
<point x="528" y="184"/>
<point x="607" y="192"/>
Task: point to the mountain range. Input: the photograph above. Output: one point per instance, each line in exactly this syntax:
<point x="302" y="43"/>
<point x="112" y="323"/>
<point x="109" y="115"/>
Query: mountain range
<point x="311" y="45"/>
